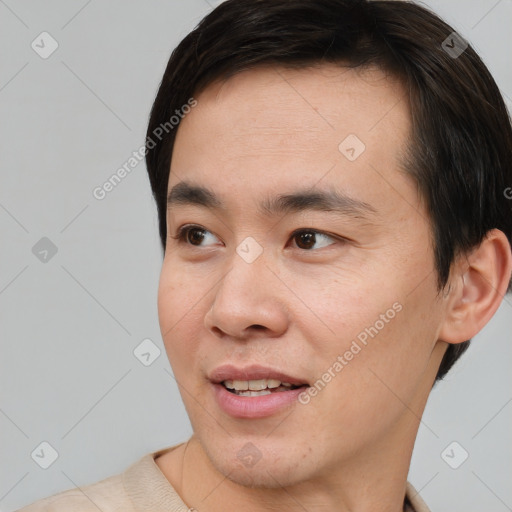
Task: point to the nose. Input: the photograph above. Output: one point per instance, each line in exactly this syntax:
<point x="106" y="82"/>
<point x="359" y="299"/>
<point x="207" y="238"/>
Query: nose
<point x="248" y="302"/>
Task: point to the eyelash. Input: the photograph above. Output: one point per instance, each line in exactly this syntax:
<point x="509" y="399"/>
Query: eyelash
<point x="183" y="231"/>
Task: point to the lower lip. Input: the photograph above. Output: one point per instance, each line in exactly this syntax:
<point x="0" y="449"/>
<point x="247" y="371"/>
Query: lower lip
<point x="254" y="406"/>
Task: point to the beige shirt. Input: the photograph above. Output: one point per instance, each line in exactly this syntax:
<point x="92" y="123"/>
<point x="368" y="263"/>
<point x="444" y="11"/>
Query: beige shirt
<point x="142" y="487"/>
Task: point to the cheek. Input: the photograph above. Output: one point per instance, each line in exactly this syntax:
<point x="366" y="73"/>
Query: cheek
<point x="393" y="352"/>
<point x="339" y="306"/>
<point x="179" y="313"/>
<point x="375" y="379"/>
<point x="384" y="326"/>
<point x="178" y="294"/>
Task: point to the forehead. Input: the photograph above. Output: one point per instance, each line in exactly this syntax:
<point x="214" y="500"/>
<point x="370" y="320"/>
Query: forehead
<point x="320" y="97"/>
<point x="270" y="127"/>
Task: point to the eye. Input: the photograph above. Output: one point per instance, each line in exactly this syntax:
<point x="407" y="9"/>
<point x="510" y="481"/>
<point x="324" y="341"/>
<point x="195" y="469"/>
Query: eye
<point x="305" y="238"/>
<point x="192" y="235"/>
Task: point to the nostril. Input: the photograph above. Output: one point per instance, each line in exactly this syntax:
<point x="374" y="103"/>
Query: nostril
<point x="217" y="331"/>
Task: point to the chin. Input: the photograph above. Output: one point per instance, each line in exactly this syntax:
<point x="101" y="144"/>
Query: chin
<point x="260" y="463"/>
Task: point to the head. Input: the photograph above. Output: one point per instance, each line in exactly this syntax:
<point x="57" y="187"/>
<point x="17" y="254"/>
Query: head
<point x="280" y="105"/>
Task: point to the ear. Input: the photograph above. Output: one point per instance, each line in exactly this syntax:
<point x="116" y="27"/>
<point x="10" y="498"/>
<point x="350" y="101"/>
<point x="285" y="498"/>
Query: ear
<point x="478" y="283"/>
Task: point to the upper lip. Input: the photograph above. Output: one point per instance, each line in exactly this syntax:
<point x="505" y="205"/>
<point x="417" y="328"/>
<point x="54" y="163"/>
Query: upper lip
<point x="252" y="372"/>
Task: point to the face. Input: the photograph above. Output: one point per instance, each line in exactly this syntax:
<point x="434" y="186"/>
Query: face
<point x="266" y="283"/>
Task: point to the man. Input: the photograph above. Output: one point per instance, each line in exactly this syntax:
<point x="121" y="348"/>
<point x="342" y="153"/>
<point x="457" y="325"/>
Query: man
<point x="336" y="227"/>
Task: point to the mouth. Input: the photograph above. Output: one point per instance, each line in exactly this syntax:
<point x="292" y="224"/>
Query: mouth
<point x="254" y="391"/>
<point x="258" y="387"/>
<point x="254" y="379"/>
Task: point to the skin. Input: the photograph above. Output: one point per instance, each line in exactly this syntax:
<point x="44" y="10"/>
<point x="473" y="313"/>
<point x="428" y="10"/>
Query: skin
<point x="262" y="133"/>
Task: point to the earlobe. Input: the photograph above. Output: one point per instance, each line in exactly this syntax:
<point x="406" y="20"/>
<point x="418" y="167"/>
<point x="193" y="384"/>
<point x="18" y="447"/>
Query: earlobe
<point x="479" y="282"/>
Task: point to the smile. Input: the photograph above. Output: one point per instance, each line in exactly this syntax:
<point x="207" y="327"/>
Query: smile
<point x="257" y="387"/>
<point x="254" y="391"/>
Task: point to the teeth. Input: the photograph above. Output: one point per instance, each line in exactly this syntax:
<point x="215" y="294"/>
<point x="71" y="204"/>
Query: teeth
<point x="254" y="393"/>
<point x="239" y="385"/>
<point x="273" y="383"/>
<point x="254" y="385"/>
<point x="258" y="385"/>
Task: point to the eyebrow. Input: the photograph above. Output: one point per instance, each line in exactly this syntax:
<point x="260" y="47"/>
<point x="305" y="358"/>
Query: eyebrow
<point x="189" y="194"/>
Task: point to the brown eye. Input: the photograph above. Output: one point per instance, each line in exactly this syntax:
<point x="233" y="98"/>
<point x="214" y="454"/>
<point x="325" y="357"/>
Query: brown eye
<point x="192" y="235"/>
<point x="307" y="238"/>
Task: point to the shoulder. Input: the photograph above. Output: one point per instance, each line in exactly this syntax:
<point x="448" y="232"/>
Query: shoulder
<point x="414" y="502"/>
<point x="141" y="486"/>
<point x="107" y="495"/>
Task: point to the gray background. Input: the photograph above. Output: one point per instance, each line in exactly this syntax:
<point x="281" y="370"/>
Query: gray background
<point x="69" y="326"/>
